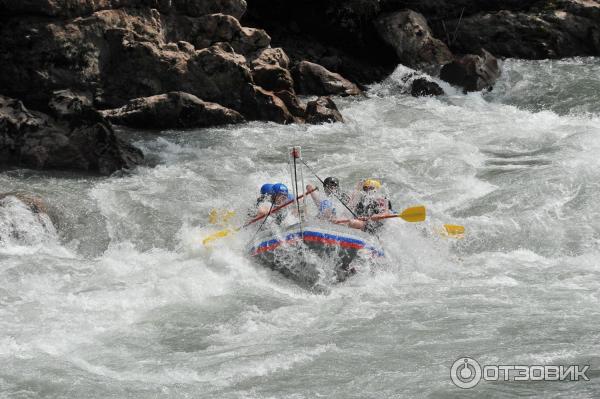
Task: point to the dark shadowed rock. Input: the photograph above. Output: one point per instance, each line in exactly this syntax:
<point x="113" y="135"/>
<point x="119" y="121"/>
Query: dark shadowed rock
<point x="77" y="8"/>
<point x="292" y="103"/>
<point x="273" y="78"/>
<point x="196" y="8"/>
<point x="67" y="103"/>
<point x="310" y="78"/>
<point x="260" y="104"/>
<point x="409" y="34"/>
<point x="553" y="33"/>
<point x="422" y="87"/>
<point x="322" y="110"/>
<point x="172" y="110"/>
<point x="79" y="140"/>
<point x="472" y="72"/>
<point x="209" y="29"/>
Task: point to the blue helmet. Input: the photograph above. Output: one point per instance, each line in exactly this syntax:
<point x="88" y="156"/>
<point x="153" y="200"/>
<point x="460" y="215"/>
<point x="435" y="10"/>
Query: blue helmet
<point x="266" y="189"/>
<point x="279" y="188"/>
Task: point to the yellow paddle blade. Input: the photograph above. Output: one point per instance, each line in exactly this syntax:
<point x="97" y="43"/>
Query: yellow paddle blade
<point x="228" y="215"/>
<point x="455" y="231"/>
<point x="220" y="216"/>
<point x="213" y="216"/>
<point x="217" y="235"/>
<point x="414" y="214"/>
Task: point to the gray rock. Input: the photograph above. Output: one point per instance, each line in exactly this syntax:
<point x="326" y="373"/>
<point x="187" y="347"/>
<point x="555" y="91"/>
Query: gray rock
<point x="172" y="110"/>
<point x="409" y="34"/>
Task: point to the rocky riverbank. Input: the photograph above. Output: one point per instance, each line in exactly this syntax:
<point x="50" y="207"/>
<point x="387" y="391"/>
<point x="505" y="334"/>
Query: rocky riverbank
<point x="68" y="68"/>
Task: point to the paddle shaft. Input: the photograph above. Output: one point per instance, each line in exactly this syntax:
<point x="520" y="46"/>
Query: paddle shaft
<point x="256" y="219"/>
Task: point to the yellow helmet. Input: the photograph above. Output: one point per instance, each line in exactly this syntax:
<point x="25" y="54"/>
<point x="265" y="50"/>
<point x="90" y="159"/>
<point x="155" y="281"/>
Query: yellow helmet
<point x="371" y="184"/>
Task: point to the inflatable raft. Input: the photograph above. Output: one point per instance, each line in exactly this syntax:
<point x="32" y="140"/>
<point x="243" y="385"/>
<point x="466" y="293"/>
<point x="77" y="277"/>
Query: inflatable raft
<point x="313" y="253"/>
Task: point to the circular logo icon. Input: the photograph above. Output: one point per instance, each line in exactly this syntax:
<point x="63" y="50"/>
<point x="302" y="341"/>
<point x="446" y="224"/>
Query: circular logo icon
<point x="465" y="373"/>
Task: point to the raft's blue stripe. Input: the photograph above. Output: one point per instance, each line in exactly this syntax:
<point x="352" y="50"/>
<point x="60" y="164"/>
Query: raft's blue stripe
<point x="321" y="235"/>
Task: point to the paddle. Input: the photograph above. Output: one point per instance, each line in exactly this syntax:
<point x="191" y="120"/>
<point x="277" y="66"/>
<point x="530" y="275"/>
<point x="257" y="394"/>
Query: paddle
<point x="413" y="215"/>
<point x="454" y="231"/>
<point x="228" y="232"/>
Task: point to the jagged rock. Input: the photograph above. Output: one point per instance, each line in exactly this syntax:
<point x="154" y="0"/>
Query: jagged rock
<point x="273" y="78"/>
<point x="337" y="34"/>
<point x="292" y="103"/>
<point x="409" y="34"/>
<point x="270" y="56"/>
<point x="310" y="78"/>
<point x="172" y="110"/>
<point x="322" y="110"/>
<point x="80" y="140"/>
<point x="210" y="29"/>
<point x="260" y="104"/>
<point x="65" y="103"/>
<point x="546" y="34"/>
<point x="472" y="72"/>
<point x="422" y="87"/>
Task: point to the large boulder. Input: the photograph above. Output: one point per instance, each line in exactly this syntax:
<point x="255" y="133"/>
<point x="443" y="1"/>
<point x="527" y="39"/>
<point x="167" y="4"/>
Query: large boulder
<point x="311" y="78"/>
<point x="260" y="104"/>
<point x="172" y="110"/>
<point x="409" y="34"/>
<point x="80" y="140"/>
<point x="293" y="104"/>
<point x="322" y="110"/>
<point x="273" y="78"/>
<point x="534" y="35"/>
<point x="472" y="72"/>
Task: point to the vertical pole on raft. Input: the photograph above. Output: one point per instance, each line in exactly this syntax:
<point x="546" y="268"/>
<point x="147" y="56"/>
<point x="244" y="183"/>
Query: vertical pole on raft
<point x="295" y="155"/>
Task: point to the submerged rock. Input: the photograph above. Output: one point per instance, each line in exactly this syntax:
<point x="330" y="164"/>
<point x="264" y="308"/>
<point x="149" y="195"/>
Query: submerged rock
<point x="422" y="87"/>
<point x="172" y="110"/>
<point x="78" y="139"/>
<point x="322" y="110"/>
<point x="409" y="34"/>
<point x="472" y="72"/>
<point x="24" y="220"/>
<point x="311" y="78"/>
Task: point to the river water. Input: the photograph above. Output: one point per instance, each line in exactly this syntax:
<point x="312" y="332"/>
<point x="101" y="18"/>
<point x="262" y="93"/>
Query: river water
<point x="121" y="300"/>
